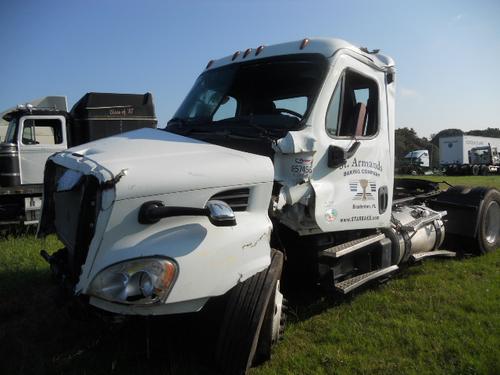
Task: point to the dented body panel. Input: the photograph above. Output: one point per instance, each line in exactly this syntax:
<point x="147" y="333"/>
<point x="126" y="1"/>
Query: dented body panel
<point x="190" y="177"/>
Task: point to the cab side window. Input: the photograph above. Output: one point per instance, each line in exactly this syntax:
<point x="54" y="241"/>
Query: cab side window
<point x="42" y="131"/>
<point x="353" y="109"/>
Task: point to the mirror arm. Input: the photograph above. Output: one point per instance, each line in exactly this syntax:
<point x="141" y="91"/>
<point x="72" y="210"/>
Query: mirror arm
<point x="352" y="150"/>
<point x="338" y="156"/>
<point x="218" y="212"/>
<point x="151" y="212"/>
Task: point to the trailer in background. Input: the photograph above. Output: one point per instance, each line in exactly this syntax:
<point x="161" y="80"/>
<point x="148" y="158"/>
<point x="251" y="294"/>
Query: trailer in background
<point x="454" y="152"/>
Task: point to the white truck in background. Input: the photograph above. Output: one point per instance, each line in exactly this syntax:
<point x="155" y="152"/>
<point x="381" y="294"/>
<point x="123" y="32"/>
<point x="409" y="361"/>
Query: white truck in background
<point x="278" y="168"/>
<point x="43" y="127"/>
<point x="415" y="162"/>
<point x="484" y="160"/>
<point x="455" y="154"/>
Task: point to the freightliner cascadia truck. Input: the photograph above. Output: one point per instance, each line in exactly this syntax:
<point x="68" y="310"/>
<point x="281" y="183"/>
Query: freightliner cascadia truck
<point x="37" y="131"/>
<point x="278" y="165"/>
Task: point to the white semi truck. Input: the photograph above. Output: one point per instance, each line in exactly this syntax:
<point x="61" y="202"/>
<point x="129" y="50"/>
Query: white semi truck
<point x="469" y="155"/>
<point x="415" y="162"/>
<point x="484" y="160"/>
<point x="277" y="167"/>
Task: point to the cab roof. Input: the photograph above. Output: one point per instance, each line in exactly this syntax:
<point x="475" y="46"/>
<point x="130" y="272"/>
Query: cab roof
<point x="323" y="46"/>
<point x="19" y="112"/>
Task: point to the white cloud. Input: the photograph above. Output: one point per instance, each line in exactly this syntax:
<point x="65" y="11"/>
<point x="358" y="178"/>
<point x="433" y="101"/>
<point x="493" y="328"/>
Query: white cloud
<point x="455" y="19"/>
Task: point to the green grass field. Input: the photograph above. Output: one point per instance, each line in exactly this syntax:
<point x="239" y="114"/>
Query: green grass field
<point x="439" y="317"/>
<point x="489" y="181"/>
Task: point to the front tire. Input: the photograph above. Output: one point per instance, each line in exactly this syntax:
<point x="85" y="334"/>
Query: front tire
<point x="246" y="329"/>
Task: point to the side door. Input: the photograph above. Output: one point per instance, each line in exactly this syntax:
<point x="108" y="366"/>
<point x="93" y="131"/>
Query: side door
<point x="354" y="194"/>
<point x="38" y="138"/>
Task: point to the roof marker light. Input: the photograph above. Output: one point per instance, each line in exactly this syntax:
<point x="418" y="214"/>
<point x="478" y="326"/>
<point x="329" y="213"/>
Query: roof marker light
<point x="247" y="52"/>
<point x="209" y="64"/>
<point x="366" y="50"/>
<point x="304" y="43"/>
<point x="235" y="55"/>
<point x="259" y="50"/>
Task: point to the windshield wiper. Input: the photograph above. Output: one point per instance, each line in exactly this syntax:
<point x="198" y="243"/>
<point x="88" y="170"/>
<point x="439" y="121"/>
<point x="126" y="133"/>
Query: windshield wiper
<point x="187" y="125"/>
<point x="245" y="123"/>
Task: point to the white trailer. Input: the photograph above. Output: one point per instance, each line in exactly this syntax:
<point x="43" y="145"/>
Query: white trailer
<point x="455" y="150"/>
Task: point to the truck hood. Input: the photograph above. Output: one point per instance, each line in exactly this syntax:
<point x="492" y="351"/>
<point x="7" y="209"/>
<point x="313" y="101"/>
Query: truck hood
<point x="153" y="162"/>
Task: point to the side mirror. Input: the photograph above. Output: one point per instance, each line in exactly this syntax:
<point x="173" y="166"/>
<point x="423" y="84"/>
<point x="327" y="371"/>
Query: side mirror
<point x="220" y="214"/>
<point x="337" y="156"/>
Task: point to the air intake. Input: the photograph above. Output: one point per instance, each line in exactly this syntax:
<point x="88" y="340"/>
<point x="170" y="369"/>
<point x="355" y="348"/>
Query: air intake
<point x="237" y="199"/>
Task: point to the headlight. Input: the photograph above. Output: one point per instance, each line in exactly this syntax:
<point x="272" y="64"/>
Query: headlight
<point x="139" y="281"/>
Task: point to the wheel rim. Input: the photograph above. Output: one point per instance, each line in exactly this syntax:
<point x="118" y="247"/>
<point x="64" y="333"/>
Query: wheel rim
<point x="278" y="312"/>
<point x="492" y="222"/>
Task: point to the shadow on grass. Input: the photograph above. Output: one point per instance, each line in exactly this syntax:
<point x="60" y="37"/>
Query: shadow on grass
<point x="305" y="302"/>
<point x="43" y="333"/>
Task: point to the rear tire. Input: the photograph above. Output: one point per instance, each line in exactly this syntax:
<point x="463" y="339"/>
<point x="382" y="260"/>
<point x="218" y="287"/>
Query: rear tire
<point x="246" y="319"/>
<point x="488" y="229"/>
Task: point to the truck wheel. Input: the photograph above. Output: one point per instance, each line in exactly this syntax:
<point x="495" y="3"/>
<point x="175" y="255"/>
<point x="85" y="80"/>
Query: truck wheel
<point x="484" y="170"/>
<point x="488" y="236"/>
<point x="273" y="326"/>
<point x="475" y="170"/>
<point x="247" y="318"/>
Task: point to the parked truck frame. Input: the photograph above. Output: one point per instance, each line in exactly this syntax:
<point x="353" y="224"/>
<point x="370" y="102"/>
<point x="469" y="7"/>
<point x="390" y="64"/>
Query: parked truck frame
<point x="37" y="131"/>
<point x="277" y="167"/>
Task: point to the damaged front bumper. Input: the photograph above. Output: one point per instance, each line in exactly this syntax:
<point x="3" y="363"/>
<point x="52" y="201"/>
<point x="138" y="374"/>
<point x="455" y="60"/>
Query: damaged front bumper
<point x="101" y="232"/>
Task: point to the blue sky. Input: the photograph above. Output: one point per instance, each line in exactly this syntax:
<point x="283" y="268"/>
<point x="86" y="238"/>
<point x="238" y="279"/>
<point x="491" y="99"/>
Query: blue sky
<point x="447" y="52"/>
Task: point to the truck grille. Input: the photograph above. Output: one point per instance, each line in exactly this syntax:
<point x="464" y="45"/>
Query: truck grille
<point x="237" y="199"/>
<point x="73" y="215"/>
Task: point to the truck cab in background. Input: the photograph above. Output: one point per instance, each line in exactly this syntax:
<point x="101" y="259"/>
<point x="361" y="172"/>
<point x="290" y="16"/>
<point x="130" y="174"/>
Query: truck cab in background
<point x="36" y="132"/>
<point x="484" y="160"/>
<point x="32" y="136"/>
<point x="415" y="162"/>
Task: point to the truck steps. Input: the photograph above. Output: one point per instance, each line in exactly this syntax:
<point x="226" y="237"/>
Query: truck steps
<point x="349" y="285"/>
<point x="351" y="246"/>
<point x="416" y="224"/>
<point x="437" y="253"/>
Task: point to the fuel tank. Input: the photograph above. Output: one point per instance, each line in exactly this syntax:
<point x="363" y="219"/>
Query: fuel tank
<point x="9" y="165"/>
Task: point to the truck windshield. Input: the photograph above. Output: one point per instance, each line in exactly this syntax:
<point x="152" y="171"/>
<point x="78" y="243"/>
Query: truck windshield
<point x="269" y="93"/>
<point x="10" y="136"/>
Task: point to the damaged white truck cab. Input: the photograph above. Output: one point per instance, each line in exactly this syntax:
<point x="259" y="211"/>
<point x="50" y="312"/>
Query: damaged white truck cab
<point x="285" y="149"/>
